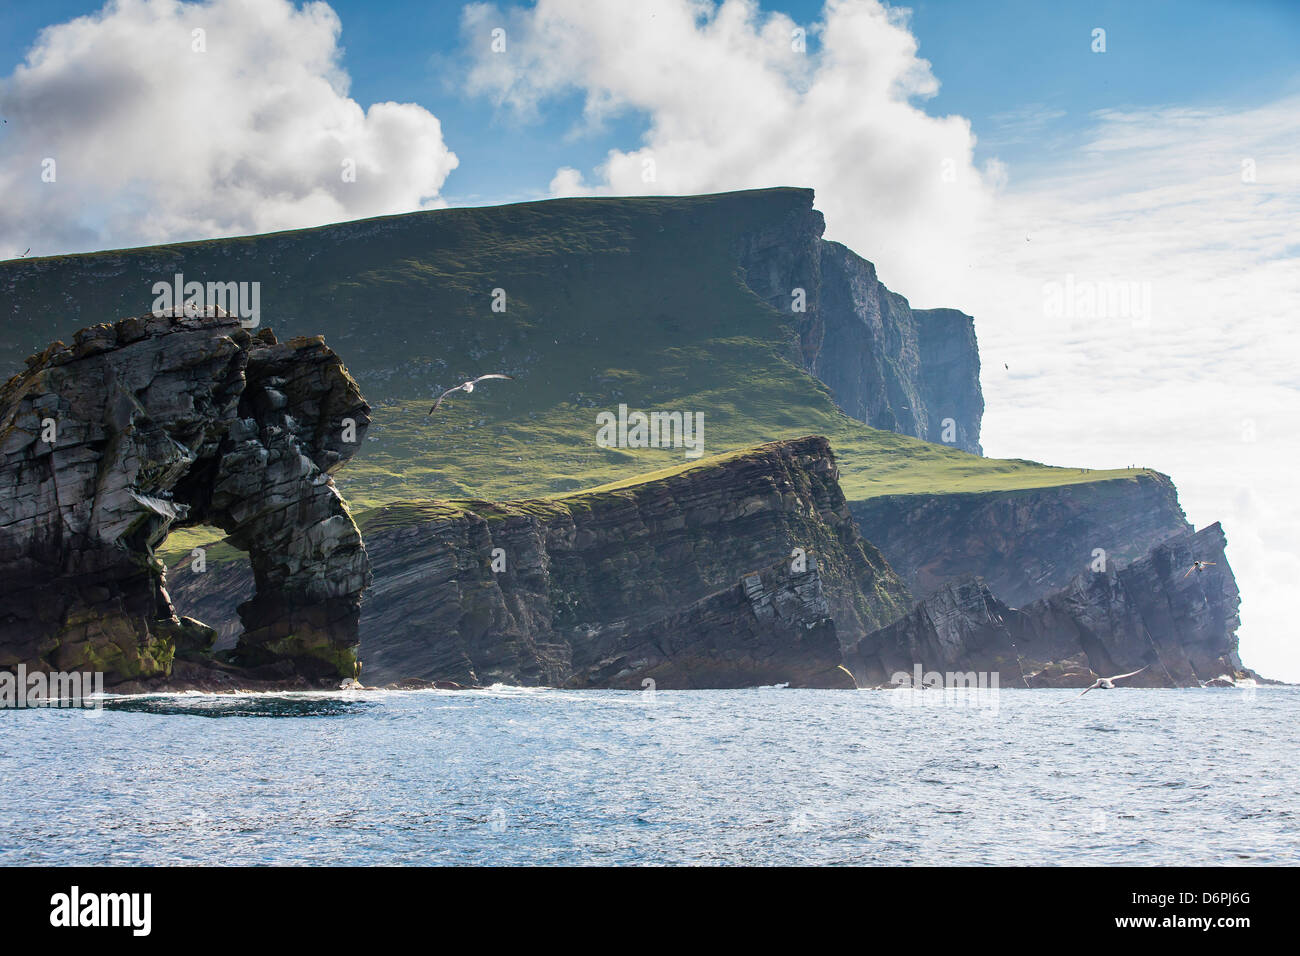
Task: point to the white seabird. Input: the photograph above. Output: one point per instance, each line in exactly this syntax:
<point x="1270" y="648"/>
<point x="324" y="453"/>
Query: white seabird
<point x="1108" y="683"/>
<point x="467" y="387"/>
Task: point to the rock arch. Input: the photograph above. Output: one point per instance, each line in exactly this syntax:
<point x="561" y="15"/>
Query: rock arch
<point x="160" y="422"/>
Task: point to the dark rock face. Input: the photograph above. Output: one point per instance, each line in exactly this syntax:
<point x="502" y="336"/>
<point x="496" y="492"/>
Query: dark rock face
<point x="1152" y="613"/>
<point x="949" y="377"/>
<point x="1024" y="544"/>
<point x="154" y="423"/>
<point x="916" y="372"/>
<point x="689" y="580"/>
<point x="774" y="626"/>
<point x="684" y="581"/>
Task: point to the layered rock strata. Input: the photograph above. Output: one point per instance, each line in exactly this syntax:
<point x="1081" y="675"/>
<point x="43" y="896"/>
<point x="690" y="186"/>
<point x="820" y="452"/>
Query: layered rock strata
<point x="1153" y="614"/>
<point x="725" y="574"/>
<point x="154" y="423"/>
<point x="1025" y="544"/>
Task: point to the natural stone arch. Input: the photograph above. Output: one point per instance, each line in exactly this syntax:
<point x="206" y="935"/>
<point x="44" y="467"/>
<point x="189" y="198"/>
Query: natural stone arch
<point x="161" y="422"/>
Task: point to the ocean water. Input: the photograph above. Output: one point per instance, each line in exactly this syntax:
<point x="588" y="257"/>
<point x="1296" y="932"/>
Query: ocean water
<point x="764" y="776"/>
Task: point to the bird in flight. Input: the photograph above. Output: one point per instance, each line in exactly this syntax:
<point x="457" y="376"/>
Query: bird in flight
<point x="1199" y="566"/>
<point x="468" y="387"/>
<point x="1108" y="683"/>
<point x="24" y="255"/>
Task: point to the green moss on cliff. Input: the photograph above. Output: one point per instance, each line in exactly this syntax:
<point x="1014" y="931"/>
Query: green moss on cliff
<point x="315" y="646"/>
<point x="110" y="645"/>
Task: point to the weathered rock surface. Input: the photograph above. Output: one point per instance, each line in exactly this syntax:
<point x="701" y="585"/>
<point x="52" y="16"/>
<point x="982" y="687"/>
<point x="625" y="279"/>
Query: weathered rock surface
<point x="1025" y="544"/>
<point x="153" y="423"/>
<point x="1152" y="613"/>
<point x="690" y="580"/>
<point x="913" y="371"/>
<point x="774" y="626"/>
<point x="682" y="580"/>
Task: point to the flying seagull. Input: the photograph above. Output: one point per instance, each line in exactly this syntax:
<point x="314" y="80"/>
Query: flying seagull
<point x="24" y="255"/>
<point x="1199" y="566"/>
<point x="1108" y="683"/>
<point x="467" y="387"/>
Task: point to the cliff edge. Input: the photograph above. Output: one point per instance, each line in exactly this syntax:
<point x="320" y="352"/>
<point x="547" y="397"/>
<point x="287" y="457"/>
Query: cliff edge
<point x="912" y="371"/>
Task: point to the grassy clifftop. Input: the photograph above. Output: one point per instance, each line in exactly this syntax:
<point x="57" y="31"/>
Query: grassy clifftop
<point x="607" y="301"/>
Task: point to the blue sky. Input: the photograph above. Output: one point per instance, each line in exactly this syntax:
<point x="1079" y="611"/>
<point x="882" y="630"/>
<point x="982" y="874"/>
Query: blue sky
<point x="995" y="60"/>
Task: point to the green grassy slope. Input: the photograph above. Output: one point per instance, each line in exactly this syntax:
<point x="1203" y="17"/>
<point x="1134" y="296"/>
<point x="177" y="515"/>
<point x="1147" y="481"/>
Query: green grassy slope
<point x="473" y="453"/>
<point x="608" y="300"/>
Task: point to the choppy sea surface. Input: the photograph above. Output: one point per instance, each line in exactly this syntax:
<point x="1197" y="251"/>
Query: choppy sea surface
<point x="764" y="776"/>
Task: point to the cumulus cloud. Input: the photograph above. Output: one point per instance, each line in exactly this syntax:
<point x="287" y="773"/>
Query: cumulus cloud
<point x="730" y="102"/>
<point x="155" y="132"/>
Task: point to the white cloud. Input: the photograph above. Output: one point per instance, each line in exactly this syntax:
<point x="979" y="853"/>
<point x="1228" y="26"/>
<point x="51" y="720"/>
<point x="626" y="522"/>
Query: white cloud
<point x="1151" y="197"/>
<point x="154" y="141"/>
<point x="730" y="105"/>
<point x="1206" y="387"/>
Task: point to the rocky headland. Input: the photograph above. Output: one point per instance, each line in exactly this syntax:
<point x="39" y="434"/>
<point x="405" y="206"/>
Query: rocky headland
<point x="153" y="423"/>
<point x="1025" y="543"/>
<point x="736" y="570"/>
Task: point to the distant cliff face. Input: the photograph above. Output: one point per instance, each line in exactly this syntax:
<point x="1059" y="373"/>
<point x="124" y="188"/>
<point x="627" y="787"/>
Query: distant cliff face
<point x="1024" y="544"/>
<point x="648" y="301"/>
<point x="1181" y="627"/>
<point x="692" y="580"/>
<point x="153" y="422"/>
<point x="916" y="372"/>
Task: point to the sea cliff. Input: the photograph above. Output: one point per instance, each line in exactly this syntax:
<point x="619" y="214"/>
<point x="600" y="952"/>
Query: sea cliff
<point x="751" y="559"/>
